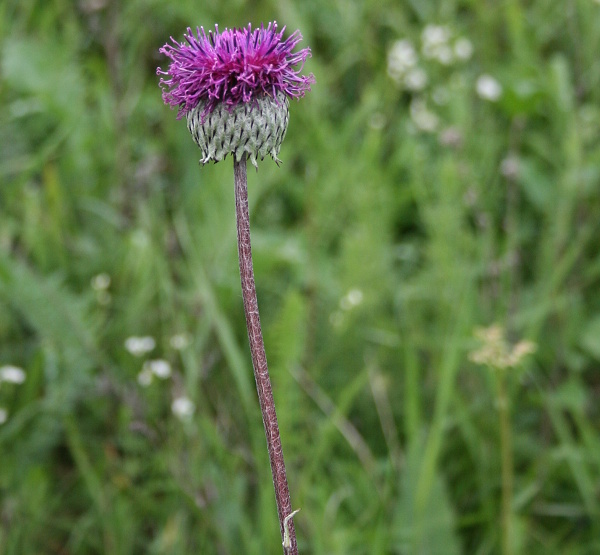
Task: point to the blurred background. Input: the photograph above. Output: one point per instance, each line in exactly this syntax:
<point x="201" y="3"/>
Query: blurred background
<point x="428" y="271"/>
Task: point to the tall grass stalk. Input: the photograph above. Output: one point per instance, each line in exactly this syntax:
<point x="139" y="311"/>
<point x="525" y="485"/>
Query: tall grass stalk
<point x="506" y="457"/>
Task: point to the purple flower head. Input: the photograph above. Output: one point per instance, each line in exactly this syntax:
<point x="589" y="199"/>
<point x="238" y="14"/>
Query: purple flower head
<point x="232" y="67"/>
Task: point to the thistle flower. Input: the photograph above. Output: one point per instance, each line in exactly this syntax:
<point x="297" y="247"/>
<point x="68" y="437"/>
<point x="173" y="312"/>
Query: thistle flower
<point x="234" y="88"/>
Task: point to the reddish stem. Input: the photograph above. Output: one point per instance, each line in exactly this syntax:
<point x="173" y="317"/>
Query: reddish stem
<point x="259" y="358"/>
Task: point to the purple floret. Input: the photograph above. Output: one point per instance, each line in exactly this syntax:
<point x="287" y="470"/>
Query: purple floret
<point x="235" y="66"/>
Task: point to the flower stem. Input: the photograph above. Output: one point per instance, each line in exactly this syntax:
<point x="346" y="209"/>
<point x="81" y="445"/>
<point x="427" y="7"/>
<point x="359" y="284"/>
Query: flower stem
<point x="507" y="462"/>
<point x="259" y="361"/>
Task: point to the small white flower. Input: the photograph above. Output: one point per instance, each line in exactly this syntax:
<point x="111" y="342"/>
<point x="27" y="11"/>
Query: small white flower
<point x="159" y="367"/>
<point x="434" y="35"/>
<point x="3" y="415"/>
<point x="353" y="298"/>
<point x="509" y="167"/>
<point x="101" y="282"/>
<point x="415" y="79"/>
<point x="422" y="117"/>
<point x="434" y="39"/>
<point x="180" y="341"/>
<point x="144" y="378"/>
<point x="463" y="48"/>
<point x="183" y="407"/>
<point x="138" y="346"/>
<point x="488" y="88"/>
<point x="12" y="374"/>
<point x="401" y="57"/>
<point x="444" y="55"/>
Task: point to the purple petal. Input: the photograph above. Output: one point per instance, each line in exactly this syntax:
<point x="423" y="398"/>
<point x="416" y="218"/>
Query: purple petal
<point x="237" y="65"/>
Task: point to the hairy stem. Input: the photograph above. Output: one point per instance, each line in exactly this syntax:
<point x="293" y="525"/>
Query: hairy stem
<point x="259" y="361"/>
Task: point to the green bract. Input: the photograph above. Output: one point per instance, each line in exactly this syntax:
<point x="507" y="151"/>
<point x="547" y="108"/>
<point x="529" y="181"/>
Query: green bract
<point x="255" y="128"/>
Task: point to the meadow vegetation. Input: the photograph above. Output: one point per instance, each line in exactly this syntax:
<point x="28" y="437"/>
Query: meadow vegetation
<point x="427" y="266"/>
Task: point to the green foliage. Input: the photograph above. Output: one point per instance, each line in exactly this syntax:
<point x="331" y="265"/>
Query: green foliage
<point x="403" y="219"/>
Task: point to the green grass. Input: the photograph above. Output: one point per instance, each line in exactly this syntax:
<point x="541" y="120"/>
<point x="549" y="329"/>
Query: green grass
<point x="391" y="433"/>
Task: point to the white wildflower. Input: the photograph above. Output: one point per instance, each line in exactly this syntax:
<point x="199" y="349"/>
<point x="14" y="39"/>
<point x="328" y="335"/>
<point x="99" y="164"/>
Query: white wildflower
<point x="159" y="367"/>
<point x="444" y="55"/>
<point x="101" y="282"/>
<point x="488" y="88"/>
<point x="434" y="35"/>
<point x="496" y="351"/>
<point x="509" y="167"/>
<point x="183" y="407"/>
<point x="180" y="341"/>
<point x="415" y="79"/>
<point x="434" y="39"/>
<point x="401" y="57"/>
<point x="353" y="298"/>
<point x="463" y="48"/>
<point x="138" y="346"/>
<point x="12" y="374"/>
<point x="422" y="117"/>
<point x="144" y="378"/>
